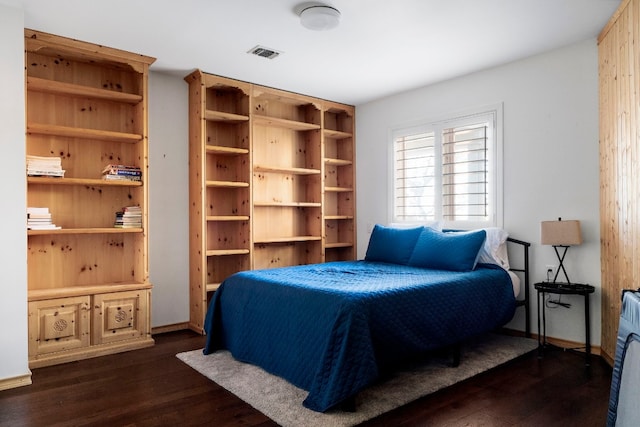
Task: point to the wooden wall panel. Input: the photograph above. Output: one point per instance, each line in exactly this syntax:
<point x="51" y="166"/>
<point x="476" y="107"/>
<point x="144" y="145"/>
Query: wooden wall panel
<point x="619" y="68"/>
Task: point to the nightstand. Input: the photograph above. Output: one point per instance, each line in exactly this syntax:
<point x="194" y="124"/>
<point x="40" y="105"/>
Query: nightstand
<point x="564" y="289"/>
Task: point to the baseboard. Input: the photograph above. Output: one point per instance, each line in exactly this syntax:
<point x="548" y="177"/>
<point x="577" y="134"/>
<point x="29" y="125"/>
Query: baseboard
<point x="558" y="342"/>
<point x="595" y="350"/>
<point x="578" y="346"/>
<point x="15" y="382"/>
<point x="169" y="328"/>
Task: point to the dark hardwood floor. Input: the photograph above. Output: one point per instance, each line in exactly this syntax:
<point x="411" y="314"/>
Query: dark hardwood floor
<point x="151" y="387"/>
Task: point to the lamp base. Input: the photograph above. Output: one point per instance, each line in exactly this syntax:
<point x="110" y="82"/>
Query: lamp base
<point x="561" y="265"/>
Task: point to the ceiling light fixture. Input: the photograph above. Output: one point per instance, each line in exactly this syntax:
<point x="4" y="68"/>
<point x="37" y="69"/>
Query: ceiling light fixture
<point x="320" y="18"/>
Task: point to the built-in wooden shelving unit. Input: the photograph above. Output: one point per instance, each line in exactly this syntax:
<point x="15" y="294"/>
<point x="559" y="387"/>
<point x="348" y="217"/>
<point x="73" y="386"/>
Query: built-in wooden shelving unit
<point x="282" y="189"/>
<point x="219" y="186"/>
<point x="88" y="282"/>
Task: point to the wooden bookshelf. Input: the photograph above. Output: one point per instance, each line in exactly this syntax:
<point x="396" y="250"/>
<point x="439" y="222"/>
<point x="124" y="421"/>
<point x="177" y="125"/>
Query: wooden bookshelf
<point x="88" y="282"/>
<point x="219" y="186"/>
<point x="339" y="182"/>
<point x="282" y="189"/>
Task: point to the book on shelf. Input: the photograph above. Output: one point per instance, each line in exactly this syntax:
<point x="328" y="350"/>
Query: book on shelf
<point x="44" y="161"/>
<point x="126" y="172"/>
<point x="39" y="218"/>
<point x="37" y="211"/>
<point x="109" y="177"/>
<point x="127" y="224"/>
<point x="122" y="172"/>
<point x="41" y="172"/>
<point x="133" y="218"/>
<point x="115" y="168"/>
<point x="129" y="217"/>
<point x="44" y="166"/>
<point x="132" y="209"/>
<point x="43" y="227"/>
<point x="42" y="220"/>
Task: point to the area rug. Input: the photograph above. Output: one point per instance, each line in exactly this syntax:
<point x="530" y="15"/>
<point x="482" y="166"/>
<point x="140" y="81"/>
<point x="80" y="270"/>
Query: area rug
<point x="282" y="402"/>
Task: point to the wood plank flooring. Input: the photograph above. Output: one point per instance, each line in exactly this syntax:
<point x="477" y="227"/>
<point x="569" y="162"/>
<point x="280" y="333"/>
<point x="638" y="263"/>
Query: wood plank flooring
<point x="151" y="387"/>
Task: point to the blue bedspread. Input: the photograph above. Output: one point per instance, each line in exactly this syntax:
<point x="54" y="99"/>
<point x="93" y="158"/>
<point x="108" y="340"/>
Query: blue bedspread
<point x="332" y="328"/>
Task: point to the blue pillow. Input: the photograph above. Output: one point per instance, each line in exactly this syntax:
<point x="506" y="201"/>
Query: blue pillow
<point x="447" y="251"/>
<point x="392" y="245"/>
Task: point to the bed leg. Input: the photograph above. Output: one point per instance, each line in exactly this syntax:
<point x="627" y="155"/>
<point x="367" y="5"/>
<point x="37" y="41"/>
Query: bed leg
<point x="349" y="404"/>
<point x="455" y="360"/>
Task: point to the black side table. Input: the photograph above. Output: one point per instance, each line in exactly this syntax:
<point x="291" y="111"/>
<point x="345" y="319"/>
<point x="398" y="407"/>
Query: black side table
<point x="564" y="289"/>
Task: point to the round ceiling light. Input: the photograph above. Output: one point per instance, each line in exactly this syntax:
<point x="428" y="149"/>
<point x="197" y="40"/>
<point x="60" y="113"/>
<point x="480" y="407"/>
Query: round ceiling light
<point x="320" y="18"/>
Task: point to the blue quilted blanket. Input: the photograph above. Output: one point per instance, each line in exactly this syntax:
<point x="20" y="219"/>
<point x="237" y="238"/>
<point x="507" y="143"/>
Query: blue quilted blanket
<point x="332" y="328"/>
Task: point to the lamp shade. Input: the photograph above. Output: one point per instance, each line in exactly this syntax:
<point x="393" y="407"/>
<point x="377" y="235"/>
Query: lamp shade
<point x="560" y="233"/>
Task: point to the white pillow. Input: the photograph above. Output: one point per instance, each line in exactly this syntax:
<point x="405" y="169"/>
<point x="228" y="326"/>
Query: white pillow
<point x="494" y="250"/>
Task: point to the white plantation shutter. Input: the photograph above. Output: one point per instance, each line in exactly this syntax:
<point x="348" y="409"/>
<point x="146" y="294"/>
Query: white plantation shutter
<point x="415" y="168"/>
<point x="447" y="171"/>
<point x="464" y="173"/>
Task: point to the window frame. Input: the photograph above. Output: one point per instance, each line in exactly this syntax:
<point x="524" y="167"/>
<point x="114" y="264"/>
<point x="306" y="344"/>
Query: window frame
<point x="495" y="189"/>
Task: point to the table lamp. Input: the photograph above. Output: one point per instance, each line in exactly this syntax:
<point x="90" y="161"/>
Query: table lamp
<point x="560" y="234"/>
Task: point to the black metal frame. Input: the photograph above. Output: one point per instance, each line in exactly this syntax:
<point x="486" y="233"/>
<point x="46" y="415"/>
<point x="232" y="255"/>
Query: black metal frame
<point x="456" y="348"/>
<point x="561" y="260"/>
<point x="524" y="269"/>
<point x="545" y="288"/>
<point x="525" y="272"/>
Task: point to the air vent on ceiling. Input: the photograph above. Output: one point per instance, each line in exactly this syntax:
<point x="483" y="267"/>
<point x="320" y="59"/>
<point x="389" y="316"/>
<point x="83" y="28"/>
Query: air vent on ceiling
<point x="264" y="52"/>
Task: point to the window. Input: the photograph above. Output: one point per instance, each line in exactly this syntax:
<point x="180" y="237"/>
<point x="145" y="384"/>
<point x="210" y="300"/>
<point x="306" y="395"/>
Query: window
<point x="449" y="171"/>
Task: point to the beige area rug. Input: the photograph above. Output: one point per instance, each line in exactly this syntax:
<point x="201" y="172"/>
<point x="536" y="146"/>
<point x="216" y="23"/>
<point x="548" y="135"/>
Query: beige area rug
<point x="282" y="402"/>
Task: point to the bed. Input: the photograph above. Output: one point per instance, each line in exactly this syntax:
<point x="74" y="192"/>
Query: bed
<point x="334" y="328"/>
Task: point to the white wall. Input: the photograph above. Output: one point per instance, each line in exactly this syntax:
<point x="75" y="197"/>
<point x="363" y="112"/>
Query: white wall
<point x="13" y="251"/>
<point x="551" y="160"/>
<point x="168" y="199"/>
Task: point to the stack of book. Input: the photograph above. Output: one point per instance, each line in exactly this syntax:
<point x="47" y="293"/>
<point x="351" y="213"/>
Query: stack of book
<point x="40" y="219"/>
<point x="129" y="217"/>
<point x="44" y="166"/>
<point x="122" y="172"/>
